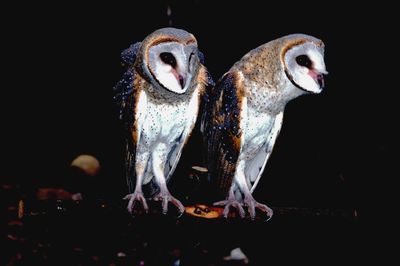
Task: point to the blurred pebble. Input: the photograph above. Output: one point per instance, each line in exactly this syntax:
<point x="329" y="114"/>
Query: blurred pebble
<point x="87" y="163"/>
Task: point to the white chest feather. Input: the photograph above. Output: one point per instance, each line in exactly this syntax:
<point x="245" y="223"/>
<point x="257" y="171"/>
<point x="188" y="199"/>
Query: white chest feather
<point x="164" y="122"/>
<point x="257" y="127"/>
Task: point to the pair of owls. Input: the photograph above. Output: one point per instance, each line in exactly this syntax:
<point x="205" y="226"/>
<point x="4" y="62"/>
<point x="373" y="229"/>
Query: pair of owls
<point x="160" y="95"/>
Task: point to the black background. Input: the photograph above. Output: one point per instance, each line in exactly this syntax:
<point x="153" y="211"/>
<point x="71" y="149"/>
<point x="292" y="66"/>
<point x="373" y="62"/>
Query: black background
<point x="63" y="60"/>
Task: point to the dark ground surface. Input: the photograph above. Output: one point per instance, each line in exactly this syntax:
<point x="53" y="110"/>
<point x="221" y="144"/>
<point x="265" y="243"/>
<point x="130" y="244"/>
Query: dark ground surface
<point x="97" y="232"/>
<point x="335" y="150"/>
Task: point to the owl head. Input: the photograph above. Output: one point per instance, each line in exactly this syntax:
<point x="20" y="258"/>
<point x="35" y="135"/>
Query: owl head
<point x="169" y="59"/>
<point x="302" y="57"/>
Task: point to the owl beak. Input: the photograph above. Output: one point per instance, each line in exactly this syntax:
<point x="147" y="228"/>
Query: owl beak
<point x="181" y="80"/>
<point x="321" y="81"/>
<point x="318" y="76"/>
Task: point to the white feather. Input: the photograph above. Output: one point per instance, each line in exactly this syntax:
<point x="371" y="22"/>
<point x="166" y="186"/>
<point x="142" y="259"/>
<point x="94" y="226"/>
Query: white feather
<point x="169" y="125"/>
<point x="191" y="115"/>
<point x="141" y="113"/>
<point x="259" y="132"/>
<point x="257" y="165"/>
<point x="300" y="73"/>
<point x="164" y="72"/>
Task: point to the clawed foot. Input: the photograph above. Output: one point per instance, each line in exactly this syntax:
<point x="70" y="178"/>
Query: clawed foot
<point x="136" y="196"/>
<point x="252" y="204"/>
<point x="167" y="197"/>
<point x="231" y="203"/>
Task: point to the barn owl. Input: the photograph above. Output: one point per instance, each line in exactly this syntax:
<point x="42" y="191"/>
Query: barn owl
<point x="159" y="97"/>
<point x="244" y="112"/>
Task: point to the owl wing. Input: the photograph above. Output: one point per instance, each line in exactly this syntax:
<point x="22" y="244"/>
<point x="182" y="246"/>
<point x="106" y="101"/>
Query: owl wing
<point x="128" y="55"/>
<point x="132" y="107"/>
<point x="124" y="88"/>
<point x="201" y="57"/>
<point x="205" y="82"/>
<point x="221" y="130"/>
<point x="255" y="167"/>
<point x="135" y="113"/>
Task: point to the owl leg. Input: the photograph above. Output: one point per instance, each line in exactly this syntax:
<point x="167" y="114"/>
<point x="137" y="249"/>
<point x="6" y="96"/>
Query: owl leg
<point x="231" y="202"/>
<point x="249" y="201"/>
<point x="159" y="157"/>
<point x="137" y="195"/>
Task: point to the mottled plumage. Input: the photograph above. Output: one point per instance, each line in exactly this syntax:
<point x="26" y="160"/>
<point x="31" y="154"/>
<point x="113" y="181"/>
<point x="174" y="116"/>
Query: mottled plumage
<point x="244" y="112"/>
<point x="159" y="97"/>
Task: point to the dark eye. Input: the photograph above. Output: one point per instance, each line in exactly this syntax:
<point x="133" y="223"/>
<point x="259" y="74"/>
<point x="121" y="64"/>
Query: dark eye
<point x="168" y="58"/>
<point x="304" y="60"/>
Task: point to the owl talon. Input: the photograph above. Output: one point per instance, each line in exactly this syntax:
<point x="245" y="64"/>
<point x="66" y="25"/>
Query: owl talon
<point x="133" y="197"/>
<point x="252" y="205"/>
<point x="165" y="198"/>
<point x="231" y="203"/>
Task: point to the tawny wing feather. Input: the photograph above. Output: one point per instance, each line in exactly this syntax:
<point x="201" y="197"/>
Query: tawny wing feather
<point x="221" y="130"/>
<point x="127" y="98"/>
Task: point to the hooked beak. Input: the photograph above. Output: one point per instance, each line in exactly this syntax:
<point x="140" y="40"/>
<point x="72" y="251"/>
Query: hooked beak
<point x="320" y="80"/>
<point x="181" y="78"/>
<point x="318" y="76"/>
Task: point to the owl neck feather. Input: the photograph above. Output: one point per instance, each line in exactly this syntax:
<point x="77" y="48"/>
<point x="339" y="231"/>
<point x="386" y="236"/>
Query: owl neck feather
<point x="269" y="99"/>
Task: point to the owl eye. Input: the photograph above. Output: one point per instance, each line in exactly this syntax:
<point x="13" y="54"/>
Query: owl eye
<point x="168" y="58"/>
<point x="304" y="60"/>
